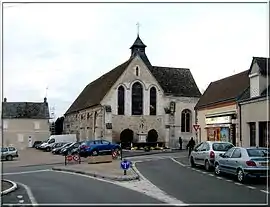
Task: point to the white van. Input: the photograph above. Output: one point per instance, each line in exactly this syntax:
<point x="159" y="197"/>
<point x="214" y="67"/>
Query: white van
<point x="56" y="139"/>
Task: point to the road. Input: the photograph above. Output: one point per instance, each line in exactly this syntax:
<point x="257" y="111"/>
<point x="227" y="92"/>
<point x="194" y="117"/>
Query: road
<point x="195" y="186"/>
<point x="51" y="187"/>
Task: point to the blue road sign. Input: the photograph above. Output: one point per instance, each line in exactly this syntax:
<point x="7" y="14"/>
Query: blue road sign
<point x="125" y="164"/>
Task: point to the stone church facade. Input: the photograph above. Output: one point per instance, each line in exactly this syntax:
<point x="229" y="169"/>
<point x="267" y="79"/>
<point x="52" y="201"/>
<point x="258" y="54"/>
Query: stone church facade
<point x="136" y="102"/>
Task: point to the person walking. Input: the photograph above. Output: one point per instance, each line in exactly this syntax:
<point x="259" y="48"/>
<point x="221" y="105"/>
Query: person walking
<point x="180" y="143"/>
<point x="190" y="145"/>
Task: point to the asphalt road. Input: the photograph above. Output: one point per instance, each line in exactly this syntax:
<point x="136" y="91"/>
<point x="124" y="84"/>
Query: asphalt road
<point x="50" y="187"/>
<point x="193" y="186"/>
<point x="17" y="197"/>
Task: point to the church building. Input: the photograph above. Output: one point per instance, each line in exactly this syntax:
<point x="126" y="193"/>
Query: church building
<point x="136" y="102"/>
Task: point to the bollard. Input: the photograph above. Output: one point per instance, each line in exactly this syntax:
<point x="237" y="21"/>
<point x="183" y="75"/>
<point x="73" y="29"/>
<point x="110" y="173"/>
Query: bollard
<point x="125" y="172"/>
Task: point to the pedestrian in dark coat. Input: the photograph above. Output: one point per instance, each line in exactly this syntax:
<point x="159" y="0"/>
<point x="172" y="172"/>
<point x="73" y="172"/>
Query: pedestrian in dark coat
<point x="190" y="145"/>
<point x="180" y="143"/>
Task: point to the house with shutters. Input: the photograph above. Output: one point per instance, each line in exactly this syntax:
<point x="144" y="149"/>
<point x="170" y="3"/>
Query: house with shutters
<point x="24" y="123"/>
<point x="136" y="102"/>
<point x="254" y="106"/>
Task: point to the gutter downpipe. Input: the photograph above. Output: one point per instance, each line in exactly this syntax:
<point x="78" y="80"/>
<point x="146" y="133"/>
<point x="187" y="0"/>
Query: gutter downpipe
<point x="240" y="124"/>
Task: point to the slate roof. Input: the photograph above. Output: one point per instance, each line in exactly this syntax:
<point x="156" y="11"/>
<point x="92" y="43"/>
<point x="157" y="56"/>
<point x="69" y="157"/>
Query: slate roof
<point x="138" y="43"/>
<point x="224" y="90"/>
<point x="26" y="110"/>
<point x="246" y="95"/>
<point x="262" y="63"/>
<point x="174" y="81"/>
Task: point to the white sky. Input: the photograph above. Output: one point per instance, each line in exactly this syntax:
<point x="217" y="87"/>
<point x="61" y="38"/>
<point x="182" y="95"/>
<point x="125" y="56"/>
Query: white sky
<point x="66" y="46"/>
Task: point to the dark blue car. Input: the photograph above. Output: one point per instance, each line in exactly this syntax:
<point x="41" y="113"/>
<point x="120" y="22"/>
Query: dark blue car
<point x="95" y="147"/>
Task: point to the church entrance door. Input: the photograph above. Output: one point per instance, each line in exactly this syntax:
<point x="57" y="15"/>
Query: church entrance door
<point x="126" y="138"/>
<point x="152" y="136"/>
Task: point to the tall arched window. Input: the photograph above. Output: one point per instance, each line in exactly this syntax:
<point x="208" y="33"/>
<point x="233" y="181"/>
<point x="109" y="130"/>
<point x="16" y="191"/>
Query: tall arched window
<point x="153" y="101"/>
<point x="137" y="99"/>
<point x="137" y="71"/>
<point x="121" y="100"/>
<point x="186" y="121"/>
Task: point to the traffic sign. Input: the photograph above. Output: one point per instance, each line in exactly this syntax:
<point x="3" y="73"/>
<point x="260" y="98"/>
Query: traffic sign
<point x="69" y="157"/>
<point x="196" y="127"/>
<point x="76" y="157"/>
<point x="114" y="154"/>
<point x="125" y="164"/>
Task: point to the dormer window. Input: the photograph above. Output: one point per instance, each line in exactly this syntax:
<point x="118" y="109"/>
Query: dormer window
<point x="137" y="71"/>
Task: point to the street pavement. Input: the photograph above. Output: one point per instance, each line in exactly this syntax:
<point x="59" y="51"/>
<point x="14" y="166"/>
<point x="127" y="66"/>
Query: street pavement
<point x="51" y="187"/>
<point x="195" y="186"/>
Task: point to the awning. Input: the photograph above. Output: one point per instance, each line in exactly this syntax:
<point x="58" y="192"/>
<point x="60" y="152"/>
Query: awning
<point x="217" y="125"/>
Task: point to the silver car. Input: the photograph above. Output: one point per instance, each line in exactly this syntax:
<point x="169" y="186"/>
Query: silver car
<point x="206" y="153"/>
<point x="8" y="153"/>
<point x="243" y="162"/>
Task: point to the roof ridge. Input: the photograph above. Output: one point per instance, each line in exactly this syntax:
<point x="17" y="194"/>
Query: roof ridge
<point x="231" y="76"/>
<point x="170" y="67"/>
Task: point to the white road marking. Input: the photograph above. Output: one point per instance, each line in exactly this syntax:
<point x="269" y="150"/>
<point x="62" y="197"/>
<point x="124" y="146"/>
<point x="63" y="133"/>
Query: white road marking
<point x="178" y="162"/>
<point x="264" y="191"/>
<point x="251" y="187"/>
<point x="219" y="178"/>
<point x="210" y="174"/>
<point x="139" y="186"/>
<point x="229" y="180"/>
<point x="203" y="172"/>
<point x="19" y="196"/>
<point x="21" y="201"/>
<point x="238" y="183"/>
<point x="29" y="193"/>
<point x="26" y="172"/>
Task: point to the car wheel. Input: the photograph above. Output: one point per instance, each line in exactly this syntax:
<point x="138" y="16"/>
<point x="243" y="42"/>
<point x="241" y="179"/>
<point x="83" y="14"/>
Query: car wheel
<point x="192" y="163"/>
<point x="9" y="158"/>
<point x="47" y="149"/>
<point x="207" y="165"/>
<point x="240" y="176"/>
<point x="95" y="153"/>
<point x="217" y="169"/>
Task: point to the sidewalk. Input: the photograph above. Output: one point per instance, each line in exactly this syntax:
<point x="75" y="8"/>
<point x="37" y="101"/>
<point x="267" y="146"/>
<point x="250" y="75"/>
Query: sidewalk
<point x="110" y="171"/>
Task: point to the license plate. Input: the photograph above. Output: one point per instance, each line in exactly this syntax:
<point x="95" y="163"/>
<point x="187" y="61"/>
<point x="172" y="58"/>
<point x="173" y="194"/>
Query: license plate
<point x="265" y="163"/>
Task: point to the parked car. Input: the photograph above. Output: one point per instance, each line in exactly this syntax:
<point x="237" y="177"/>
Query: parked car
<point x="244" y="163"/>
<point x="8" y="153"/>
<point x="47" y="145"/>
<point x="59" y="144"/>
<point x="69" y="148"/>
<point x="206" y="153"/>
<point x="58" y="149"/>
<point x="95" y="147"/>
<point x="36" y="143"/>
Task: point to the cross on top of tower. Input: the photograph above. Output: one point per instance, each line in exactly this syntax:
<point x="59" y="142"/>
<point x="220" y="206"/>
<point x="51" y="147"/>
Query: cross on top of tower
<point x="138" y="28"/>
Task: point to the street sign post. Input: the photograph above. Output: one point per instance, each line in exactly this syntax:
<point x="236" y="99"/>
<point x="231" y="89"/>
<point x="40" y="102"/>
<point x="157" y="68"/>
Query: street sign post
<point x="69" y="158"/>
<point x="125" y="165"/>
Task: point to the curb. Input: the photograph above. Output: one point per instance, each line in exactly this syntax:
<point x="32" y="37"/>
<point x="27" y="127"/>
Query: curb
<point x="98" y="175"/>
<point x="13" y="188"/>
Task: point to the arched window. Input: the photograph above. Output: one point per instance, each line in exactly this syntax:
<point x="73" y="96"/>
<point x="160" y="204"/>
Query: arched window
<point x="186" y="121"/>
<point x="153" y="101"/>
<point x="137" y="99"/>
<point x="137" y="71"/>
<point x="121" y="100"/>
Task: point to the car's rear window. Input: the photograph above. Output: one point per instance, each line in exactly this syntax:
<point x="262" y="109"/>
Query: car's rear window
<point x="257" y="152"/>
<point x="222" y="146"/>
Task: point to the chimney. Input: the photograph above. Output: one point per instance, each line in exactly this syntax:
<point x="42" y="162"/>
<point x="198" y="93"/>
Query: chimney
<point x="5" y="99"/>
<point x="45" y="100"/>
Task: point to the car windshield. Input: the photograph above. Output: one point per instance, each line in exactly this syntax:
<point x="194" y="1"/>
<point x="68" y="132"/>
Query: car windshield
<point x="222" y="146"/>
<point x="257" y="152"/>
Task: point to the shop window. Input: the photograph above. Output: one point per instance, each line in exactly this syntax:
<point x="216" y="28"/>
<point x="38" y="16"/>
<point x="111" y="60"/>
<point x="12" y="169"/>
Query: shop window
<point x="252" y="134"/>
<point x="186" y="120"/>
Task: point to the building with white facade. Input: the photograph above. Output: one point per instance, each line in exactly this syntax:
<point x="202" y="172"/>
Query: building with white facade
<point x="136" y="102"/>
<point x="24" y="123"/>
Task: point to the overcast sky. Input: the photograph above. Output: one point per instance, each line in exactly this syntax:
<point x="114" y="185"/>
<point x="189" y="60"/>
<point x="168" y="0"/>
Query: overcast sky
<point x="66" y="46"/>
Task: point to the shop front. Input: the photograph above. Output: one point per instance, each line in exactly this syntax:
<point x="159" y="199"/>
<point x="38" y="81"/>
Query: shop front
<point x="220" y="129"/>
